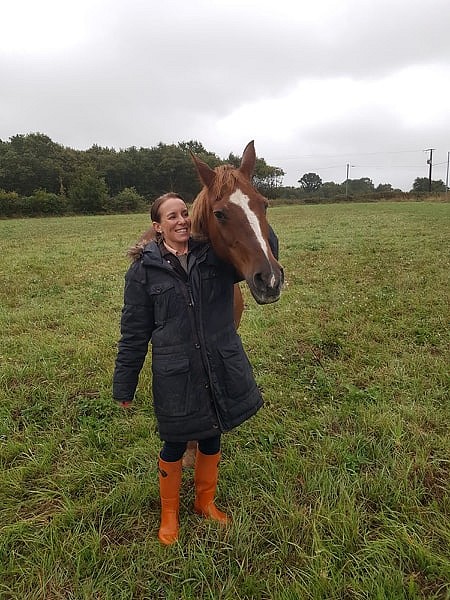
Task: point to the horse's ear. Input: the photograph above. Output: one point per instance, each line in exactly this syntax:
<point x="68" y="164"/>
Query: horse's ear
<point x="206" y="174"/>
<point x="248" y="160"/>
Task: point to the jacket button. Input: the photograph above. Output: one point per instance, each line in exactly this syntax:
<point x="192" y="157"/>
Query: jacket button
<point x="206" y="385"/>
<point x="215" y="426"/>
<point x="197" y="346"/>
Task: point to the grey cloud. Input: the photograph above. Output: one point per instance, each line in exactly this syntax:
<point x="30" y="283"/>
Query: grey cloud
<point x="150" y="72"/>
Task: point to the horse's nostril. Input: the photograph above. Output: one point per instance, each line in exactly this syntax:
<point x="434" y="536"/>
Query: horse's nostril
<point x="267" y="279"/>
<point x="261" y="280"/>
<point x="266" y="285"/>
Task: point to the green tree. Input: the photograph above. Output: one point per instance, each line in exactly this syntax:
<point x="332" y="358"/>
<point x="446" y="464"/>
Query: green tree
<point x="267" y="179"/>
<point x="330" y="189"/>
<point x="128" y="200"/>
<point x="360" y="186"/>
<point x="30" y="162"/>
<point x="384" y="187"/>
<point x="422" y="184"/>
<point x="193" y="146"/>
<point x="10" y="204"/>
<point x="137" y="168"/>
<point x="191" y="183"/>
<point x="105" y="162"/>
<point x="34" y="162"/>
<point x="174" y="170"/>
<point x="310" y="182"/>
<point x="44" y="203"/>
<point x="88" y="193"/>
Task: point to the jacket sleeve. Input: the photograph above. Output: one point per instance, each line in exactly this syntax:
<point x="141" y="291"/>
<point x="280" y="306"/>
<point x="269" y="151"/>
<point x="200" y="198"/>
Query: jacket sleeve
<point x="136" y="330"/>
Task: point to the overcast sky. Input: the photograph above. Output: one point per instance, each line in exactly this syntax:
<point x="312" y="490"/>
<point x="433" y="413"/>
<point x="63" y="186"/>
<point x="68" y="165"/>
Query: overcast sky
<point x="318" y="84"/>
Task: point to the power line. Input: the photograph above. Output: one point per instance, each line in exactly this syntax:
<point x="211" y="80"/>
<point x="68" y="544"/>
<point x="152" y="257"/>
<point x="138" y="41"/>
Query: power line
<point x="309" y="161"/>
<point x="377" y="166"/>
<point x="297" y="157"/>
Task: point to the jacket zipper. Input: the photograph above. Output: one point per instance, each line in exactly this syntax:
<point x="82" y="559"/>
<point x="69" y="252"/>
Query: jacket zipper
<point x="196" y="326"/>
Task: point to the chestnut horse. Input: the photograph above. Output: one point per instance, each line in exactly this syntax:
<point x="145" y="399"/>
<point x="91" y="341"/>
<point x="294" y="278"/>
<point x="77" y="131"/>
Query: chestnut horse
<point x="231" y="214"/>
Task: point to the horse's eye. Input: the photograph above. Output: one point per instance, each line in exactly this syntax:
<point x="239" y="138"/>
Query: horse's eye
<point x="220" y="215"/>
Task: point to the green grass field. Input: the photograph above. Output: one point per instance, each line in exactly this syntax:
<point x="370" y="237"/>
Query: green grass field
<point x="338" y="488"/>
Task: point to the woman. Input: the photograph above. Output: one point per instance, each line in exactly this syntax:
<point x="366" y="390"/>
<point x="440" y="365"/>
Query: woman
<point x="179" y="295"/>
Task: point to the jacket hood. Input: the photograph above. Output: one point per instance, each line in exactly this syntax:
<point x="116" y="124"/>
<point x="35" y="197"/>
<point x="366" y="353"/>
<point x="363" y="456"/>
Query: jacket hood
<point x="150" y="254"/>
<point x="148" y="242"/>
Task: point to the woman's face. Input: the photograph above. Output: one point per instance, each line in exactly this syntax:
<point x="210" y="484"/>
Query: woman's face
<point x="174" y="223"/>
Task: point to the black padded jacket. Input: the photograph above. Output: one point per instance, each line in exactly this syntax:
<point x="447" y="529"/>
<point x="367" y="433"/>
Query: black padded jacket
<point x="202" y="380"/>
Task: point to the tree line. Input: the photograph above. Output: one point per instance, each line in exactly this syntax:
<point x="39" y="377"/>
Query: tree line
<point x="311" y="183"/>
<point x="41" y="177"/>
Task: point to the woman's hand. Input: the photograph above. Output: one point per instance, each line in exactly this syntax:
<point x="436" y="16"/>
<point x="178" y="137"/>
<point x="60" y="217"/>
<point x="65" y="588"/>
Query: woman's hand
<point x="124" y="403"/>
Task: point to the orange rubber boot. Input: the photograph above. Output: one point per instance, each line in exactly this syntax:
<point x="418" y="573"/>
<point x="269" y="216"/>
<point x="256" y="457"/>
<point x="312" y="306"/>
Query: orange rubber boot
<point x="169" y="490"/>
<point x="206" y="475"/>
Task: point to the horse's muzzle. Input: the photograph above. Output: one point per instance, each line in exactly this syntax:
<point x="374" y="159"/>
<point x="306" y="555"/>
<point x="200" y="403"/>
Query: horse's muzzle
<point x="266" y="286"/>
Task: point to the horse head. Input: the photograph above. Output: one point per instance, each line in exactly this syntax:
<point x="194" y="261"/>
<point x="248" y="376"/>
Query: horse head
<point x="231" y="213"/>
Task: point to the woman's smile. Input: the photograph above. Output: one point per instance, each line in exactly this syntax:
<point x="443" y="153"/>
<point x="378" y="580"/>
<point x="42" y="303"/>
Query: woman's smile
<point x="174" y="224"/>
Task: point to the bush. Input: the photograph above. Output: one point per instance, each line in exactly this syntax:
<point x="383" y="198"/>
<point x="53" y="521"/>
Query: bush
<point x="44" y="203"/>
<point x="126" y="201"/>
<point x="10" y="204"/>
<point x="88" y="193"/>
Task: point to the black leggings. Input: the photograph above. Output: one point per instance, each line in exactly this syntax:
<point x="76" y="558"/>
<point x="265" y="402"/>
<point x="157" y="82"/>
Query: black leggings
<point x="173" y="451"/>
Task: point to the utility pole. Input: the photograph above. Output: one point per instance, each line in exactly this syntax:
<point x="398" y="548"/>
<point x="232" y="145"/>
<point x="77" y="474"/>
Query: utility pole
<point x="346" y="179"/>
<point x="430" y="163"/>
<point x="446" y="177"/>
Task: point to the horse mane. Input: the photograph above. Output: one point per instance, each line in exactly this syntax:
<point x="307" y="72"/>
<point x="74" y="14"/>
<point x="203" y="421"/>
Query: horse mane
<point x="224" y="183"/>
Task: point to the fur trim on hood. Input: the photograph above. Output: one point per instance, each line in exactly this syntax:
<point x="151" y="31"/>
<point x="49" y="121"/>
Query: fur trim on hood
<point x="135" y="252"/>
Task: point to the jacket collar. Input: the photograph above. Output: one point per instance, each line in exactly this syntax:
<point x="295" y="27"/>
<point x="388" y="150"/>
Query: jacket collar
<point x="153" y="256"/>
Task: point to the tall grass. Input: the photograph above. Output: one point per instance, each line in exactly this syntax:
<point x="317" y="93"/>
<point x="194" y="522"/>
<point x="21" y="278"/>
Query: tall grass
<point x="338" y="488"/>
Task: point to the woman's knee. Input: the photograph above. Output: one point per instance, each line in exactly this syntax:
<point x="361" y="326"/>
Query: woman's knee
<point x="173" y="451"/>
<point x="210" y="445"/>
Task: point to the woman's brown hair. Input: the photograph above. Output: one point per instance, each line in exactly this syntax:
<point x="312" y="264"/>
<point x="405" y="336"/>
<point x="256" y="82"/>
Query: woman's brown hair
<point x="135" y="252"/>
<point x="155" y="207"/>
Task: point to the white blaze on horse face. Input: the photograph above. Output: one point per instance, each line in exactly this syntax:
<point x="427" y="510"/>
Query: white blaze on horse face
<point x="241" y="200"/>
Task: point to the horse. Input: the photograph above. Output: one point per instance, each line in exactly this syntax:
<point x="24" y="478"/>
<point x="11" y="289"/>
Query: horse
<point x="230" y="213"/>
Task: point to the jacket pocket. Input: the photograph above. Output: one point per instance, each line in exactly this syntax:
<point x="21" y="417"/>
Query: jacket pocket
<point x="171" y="386"/>
<point x="237" y="372"/>
<point x="215" y="287"/>
<point x="162" y="297"/>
